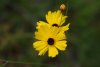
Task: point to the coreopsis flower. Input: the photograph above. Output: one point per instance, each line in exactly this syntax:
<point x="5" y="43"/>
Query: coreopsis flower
<point x="50" y="35"/>
<point x="55" y="19"/>
<point x="49" y="39"/>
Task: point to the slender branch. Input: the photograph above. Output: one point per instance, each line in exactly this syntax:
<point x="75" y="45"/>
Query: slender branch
<point x="5" y="62"/>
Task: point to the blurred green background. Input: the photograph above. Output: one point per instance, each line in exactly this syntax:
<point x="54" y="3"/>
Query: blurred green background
<point x="17" y="26"/>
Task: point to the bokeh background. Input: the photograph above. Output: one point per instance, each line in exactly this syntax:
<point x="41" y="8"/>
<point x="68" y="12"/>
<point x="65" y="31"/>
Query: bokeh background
<point x="17" y="26"/>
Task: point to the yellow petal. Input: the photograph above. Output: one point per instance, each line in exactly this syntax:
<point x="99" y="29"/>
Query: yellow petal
<point x="54" y="30"/>
<point x="58" y="13"/>
<point x="60" y="36"/>
<point x="43" y="51"/>
<point x="43" y="33"/>
<point x="56" y="17"/>
<point x="58" y="20"/>
<point x="61" y="45"/>
<point x="52" y="52"/>
<point x="40" y="36"/>
<point x="39" y="45"/>
<point x="63" y="19"/>
<point x="45" y="29"/>
<point x="65" y="28"/>
<point x="49" y="17"/>
<point x="40" y="23"/>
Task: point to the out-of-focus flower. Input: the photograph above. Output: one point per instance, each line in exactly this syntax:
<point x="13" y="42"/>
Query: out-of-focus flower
<point x="54" y="19"/>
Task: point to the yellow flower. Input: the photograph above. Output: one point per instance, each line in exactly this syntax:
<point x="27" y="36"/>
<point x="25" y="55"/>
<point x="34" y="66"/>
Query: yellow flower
<point x="55" y="18"/>
<point x="50" y="35"/>
<point x="49" y="39"/>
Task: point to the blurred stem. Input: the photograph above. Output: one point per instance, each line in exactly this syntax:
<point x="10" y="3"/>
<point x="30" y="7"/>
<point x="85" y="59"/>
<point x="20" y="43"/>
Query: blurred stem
<point x="5" y="62"/>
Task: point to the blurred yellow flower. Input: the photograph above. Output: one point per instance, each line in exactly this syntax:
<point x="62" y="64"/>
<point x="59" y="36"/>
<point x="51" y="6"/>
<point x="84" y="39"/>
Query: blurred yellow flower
<point x="54" y="19"/>
<point x="49" y="39"/>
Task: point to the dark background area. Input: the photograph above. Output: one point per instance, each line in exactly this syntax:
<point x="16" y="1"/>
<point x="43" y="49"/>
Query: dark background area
<point x="17" y="26"/>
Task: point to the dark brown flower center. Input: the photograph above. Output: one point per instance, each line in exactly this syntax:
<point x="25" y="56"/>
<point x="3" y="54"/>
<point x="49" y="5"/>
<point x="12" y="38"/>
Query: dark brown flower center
<point x="55" y="25"/>
<point x="50" y="41"/>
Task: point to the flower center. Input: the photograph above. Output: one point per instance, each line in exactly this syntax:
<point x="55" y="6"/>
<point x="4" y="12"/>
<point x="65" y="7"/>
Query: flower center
<point x="55" y="25"/>
<point x="50" y="41"/>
